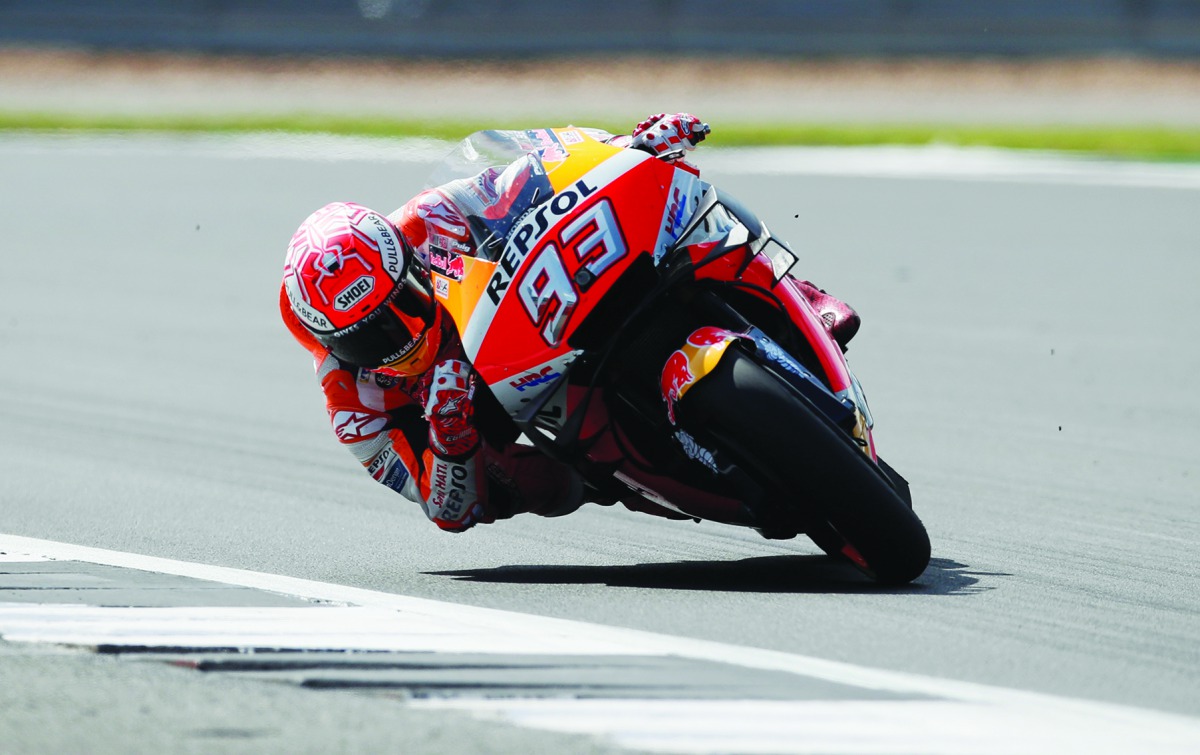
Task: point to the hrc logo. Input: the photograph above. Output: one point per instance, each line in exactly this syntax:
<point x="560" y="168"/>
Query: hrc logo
<point x="534" y="379"/>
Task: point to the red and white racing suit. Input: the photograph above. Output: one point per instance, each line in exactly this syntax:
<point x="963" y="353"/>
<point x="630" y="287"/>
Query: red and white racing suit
<point x="460" y="476"/>
<point x="381" y="420"/>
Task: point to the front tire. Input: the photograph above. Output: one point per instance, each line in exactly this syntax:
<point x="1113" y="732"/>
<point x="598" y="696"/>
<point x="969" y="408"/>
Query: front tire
<point x="813" y="466"/>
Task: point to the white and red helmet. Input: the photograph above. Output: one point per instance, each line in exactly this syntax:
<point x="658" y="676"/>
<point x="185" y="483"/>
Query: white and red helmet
<point x="355" y="283"/>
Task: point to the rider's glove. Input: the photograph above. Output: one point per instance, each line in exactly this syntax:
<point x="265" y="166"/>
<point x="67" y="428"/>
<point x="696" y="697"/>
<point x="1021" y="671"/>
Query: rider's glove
<point x="669" y="135"/>
<point x="455" y="500"/>
<point x="451" y="411"/>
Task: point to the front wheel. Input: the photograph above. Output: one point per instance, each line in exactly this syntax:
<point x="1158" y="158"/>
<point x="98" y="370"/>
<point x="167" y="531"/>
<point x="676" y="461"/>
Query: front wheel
<point x="811" y="465"/>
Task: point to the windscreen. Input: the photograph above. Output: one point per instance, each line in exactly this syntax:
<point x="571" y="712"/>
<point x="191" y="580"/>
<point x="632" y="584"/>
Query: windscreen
<point x="495" y="177"/>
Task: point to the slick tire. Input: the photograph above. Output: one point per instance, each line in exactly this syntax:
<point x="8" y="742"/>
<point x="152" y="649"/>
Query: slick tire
<point x="772" y="433"/>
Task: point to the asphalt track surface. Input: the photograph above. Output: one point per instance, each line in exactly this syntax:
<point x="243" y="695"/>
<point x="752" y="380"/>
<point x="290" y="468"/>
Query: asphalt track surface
<point x="1029" y="350"/>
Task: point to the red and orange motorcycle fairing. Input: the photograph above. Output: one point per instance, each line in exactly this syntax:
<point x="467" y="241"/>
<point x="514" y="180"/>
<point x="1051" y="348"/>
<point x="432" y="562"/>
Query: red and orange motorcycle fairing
<point x="643" y="327"/>
<point x="562" y="260"/>
<point x="515" y="313"/>
<point x="517" y="308"/>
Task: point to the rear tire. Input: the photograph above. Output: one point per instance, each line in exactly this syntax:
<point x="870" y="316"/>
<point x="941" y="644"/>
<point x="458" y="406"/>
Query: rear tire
<point x="772" y="432"/>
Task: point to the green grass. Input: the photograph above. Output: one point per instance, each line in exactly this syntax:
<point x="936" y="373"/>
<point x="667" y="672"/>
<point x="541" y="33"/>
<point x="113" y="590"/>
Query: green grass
<point x="1155" y="143"/>
<point x="1108" y="141"/>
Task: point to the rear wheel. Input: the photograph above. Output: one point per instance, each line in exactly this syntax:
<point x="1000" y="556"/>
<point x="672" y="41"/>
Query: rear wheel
<point x="815" y="468"/>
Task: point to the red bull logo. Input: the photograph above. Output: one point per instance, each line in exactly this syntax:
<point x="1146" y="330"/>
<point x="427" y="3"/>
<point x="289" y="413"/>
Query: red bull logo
<point x="676" y="379"/>
<point x="710" y="336"/>
<point x="448" y="264"/>
<point x="698" y="357"/>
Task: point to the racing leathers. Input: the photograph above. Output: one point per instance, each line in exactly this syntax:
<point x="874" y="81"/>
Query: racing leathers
<point x="427" y="436"/>
<point x="436" y="438"/>
<point x="421" y="437"/>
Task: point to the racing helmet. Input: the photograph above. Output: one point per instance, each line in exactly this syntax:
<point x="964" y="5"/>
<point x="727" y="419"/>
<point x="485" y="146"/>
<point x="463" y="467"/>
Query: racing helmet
<point x="356" y="284"/>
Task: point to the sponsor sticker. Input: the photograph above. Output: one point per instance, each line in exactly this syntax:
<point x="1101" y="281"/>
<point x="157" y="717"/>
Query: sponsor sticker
<point x="534" y="379"/>
<point x="397" y="477"/>
<point x="779" y="357"/>
<point x="693" y="450"/>
<point x="389" y="248"/>
<point x="447" y="264"/>
<point x="353" y="293"/>
<point x="695" y="360"/>
<point x="683" y="197"/>
<point x="441" y="287"/>
<point x="450" y="486"/>
<point x="380" y="463"/>
<point x="677" y="377"/>
<point x="530" y="231"/>
<point x="299" y="301"/>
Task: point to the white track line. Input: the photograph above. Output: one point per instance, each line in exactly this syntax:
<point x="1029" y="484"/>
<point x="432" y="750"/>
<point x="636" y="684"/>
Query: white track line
<point x="320" y="627"/>
<point x="965" y="717"/>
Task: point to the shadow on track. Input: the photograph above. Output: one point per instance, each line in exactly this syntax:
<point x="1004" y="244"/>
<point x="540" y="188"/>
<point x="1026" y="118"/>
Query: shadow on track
<point x="769" y="574"/>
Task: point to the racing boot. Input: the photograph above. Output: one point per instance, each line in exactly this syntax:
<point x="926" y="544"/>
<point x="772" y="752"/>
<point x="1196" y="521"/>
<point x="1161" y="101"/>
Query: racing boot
<point x="840" y="319"/>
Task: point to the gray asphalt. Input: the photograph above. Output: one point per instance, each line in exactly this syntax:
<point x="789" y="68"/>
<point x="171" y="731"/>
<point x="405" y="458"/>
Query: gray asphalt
<point x="1028" y="349"/>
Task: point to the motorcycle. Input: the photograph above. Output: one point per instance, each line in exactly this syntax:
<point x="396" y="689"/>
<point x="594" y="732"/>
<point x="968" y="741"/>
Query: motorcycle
<point x="641" y="326"/>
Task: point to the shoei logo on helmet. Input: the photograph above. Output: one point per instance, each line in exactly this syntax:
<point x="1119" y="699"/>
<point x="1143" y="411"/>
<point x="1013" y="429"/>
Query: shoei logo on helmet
<point x="353" y="293"/>
<point x="343" y="261"/>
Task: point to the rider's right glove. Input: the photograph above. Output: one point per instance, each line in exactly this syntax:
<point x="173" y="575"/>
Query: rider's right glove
<point x="669" y="135"/>
<point x="450" y="410"/>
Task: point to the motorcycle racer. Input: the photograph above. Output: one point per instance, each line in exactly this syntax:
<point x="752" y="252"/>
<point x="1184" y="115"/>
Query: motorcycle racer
<point x="399" y="390"/>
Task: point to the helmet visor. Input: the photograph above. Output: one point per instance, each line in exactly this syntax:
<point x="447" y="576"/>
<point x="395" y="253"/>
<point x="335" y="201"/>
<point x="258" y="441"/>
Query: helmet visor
<point x="393" y="329"/>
